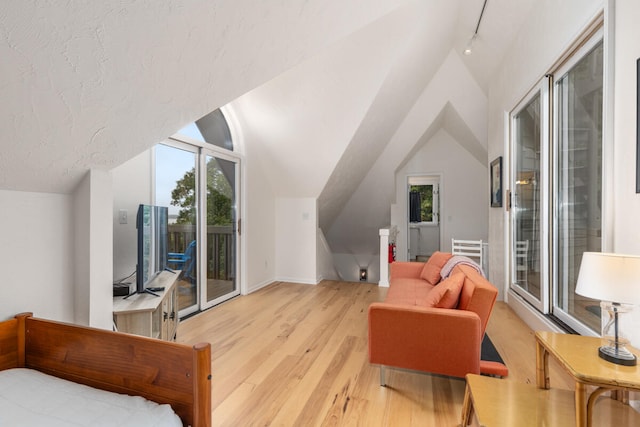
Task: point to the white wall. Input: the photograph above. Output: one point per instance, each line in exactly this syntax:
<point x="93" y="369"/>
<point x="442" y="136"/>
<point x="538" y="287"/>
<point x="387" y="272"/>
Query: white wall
<point x="324" y="257"/>
<point x="101" y="250"/>
<point x="296" y="228"/>
<point x="626" y="202"/>
<point x="626" y="228"/>
<point x="131" y="187"/>
<point x="464" y="191"/>
<point x="56" y="253"/>
<point x="549" y="31"/>
<point x="259" y="226"/>
<point x="93" y="251"/>
<point x="532" y="54"/>
<point x="37" y="254"/>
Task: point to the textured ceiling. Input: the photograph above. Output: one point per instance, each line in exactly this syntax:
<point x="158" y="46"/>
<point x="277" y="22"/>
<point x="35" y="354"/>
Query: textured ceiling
<point x="91" y="84"/>
<point x="321" y="88"/>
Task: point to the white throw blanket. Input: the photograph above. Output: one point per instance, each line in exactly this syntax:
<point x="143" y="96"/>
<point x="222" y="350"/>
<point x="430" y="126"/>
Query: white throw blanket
<point x="459" y="259"/>
<point x="31" y="398"/>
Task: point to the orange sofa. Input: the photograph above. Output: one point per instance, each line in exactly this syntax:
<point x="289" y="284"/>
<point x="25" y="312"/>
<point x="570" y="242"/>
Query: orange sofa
<point x="412" y="329"/>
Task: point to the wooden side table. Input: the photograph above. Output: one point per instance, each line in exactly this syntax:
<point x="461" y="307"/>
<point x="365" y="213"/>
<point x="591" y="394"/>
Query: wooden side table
<point x="503" y="403"/>
<point x="578" y="355"/>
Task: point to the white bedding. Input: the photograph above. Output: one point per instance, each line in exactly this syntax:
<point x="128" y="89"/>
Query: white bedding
<point x="31" y="398"/>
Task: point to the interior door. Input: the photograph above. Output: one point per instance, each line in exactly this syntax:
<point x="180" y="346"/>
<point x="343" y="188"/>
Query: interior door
<point x="219" y="253"/>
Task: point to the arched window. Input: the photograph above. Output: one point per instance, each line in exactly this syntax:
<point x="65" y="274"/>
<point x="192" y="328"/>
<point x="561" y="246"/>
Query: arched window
<point x="212" y="129"/>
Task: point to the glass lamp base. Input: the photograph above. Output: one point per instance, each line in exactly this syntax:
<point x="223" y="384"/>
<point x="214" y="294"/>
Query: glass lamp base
<point x="615" y="350"/>
<point x="619" y="356"/>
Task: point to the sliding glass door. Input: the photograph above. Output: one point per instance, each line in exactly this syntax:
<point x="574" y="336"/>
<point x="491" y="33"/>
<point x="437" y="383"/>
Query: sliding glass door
<point x="176" y="169"/>
<point x="527" y="207"/>
<point x="221" y="231"/>
<point x="578" y="183"/>
<point x="200" y="186"/>
<point x="556" y="186"/>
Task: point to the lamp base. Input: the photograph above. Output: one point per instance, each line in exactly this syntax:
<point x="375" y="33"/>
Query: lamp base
<point x="619" y="356"/>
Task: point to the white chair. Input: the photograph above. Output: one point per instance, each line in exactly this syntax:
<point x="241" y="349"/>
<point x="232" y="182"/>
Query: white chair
<point x="521" y="262"/>
<point x="469" y="248"/>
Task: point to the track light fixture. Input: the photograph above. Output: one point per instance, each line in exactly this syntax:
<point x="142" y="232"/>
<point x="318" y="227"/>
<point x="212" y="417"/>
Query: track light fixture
<point x="468" y="49"/>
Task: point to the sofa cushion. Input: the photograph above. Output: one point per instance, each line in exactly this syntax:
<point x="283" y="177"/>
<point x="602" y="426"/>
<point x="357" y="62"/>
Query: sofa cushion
<point x="431" y="270"/>
<point x="446" y="293"/>
<point x="407" y="291"/>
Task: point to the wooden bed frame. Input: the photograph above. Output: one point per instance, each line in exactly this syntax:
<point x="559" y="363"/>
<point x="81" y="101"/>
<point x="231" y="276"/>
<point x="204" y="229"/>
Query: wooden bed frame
<point x="162" y="371"/>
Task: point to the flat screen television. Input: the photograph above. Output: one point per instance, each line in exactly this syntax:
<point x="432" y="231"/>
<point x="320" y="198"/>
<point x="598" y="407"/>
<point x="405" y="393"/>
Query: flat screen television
<point x="152" y="230"/>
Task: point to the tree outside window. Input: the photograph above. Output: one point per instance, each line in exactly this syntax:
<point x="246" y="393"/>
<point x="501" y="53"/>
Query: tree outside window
<point x="421" y="203"/>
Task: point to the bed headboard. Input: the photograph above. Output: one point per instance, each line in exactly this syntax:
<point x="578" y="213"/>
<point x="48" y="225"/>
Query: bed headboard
<point x="164" y="372"/>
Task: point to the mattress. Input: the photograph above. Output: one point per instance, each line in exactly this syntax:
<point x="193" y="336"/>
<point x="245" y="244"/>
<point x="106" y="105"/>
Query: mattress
<point x="31" y="398"/>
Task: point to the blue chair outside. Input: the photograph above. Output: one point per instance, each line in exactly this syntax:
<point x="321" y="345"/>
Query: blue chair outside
<point x="185" y="261"/>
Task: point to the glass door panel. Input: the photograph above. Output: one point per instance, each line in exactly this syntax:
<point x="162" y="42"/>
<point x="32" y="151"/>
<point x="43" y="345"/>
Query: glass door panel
<point x="175" y="187"/>
<point x="526" y="209"/>
<point x="578" y="183"/>
<point x="222" y="179"/>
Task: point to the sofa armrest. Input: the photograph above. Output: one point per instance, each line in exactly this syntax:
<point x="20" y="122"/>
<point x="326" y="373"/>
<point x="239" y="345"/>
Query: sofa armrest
<point x="437" y="340"/>
<point x="400" y="269"/>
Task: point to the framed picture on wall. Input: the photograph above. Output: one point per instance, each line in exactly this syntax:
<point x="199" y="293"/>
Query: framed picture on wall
<point x="496" y="183"/>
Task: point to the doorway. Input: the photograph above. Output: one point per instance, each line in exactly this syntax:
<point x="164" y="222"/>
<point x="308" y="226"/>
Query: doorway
<point x="423" y="216"/>
<point x="220" y="233"/>
<point x="201" y="187"/>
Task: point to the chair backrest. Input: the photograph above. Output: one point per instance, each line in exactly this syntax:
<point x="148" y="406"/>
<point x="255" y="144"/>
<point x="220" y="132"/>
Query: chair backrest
<point x="522" y="248"/>
<point x="468" y="248"/>
<point x="190" y="257"/>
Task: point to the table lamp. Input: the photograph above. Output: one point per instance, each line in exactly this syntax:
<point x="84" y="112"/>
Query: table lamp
<point x="615" y="280"/>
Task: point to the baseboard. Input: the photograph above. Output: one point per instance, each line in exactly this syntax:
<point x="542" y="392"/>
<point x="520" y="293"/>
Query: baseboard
<point x="532" y="317"/>
<point x="297" y="280"/>
<point x="258" y="286"/>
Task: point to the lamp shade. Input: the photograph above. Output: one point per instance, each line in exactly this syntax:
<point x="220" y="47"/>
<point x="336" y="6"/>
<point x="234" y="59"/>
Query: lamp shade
<point x="610" y="277"/>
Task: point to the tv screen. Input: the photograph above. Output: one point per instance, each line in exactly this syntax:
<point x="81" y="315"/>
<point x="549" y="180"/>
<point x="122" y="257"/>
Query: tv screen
<point x="152" y="225"/>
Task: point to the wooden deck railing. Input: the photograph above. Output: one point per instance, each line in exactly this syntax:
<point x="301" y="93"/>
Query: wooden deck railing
<point x="220" y="247"/>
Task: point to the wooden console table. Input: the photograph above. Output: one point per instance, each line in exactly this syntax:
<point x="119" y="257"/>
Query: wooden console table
<point x="578" y="355"/>
<point x="149" y="315"/>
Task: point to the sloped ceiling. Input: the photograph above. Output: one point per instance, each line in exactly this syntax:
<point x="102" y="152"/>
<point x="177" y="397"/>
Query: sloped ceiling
<point x="92" y="84"/>
<point x="452" y="101"/>
<point x="299" y="125"/>
<point x="323" y="89"/>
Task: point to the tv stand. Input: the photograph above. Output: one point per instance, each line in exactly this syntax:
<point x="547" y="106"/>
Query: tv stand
<point x="146" y="291"/>
<point x="151" y="314"/>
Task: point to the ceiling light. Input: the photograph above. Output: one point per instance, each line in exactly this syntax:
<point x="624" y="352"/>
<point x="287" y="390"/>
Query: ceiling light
<point x="467" y="50"/>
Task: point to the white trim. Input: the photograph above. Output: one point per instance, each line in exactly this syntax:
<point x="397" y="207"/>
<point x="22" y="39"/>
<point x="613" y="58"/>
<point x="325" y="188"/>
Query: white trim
<point x="435" y="178"/>
<point x="259" y="286"/>
<point x="301" y="280"/>
<point x="608" y="130"/>
<point x="532" y="317"/>
<point x="230" y="157"/>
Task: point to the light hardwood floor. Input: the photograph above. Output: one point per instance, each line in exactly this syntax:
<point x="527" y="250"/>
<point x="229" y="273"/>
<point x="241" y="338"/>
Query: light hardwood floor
<point x="296" y="355"/>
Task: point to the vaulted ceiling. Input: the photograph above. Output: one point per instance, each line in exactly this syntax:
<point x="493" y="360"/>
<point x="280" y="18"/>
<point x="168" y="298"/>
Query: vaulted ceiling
<point x="320" y="88"/>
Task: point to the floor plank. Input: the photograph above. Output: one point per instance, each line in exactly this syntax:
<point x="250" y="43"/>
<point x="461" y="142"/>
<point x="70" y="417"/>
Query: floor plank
<point x="292" y="355"/>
